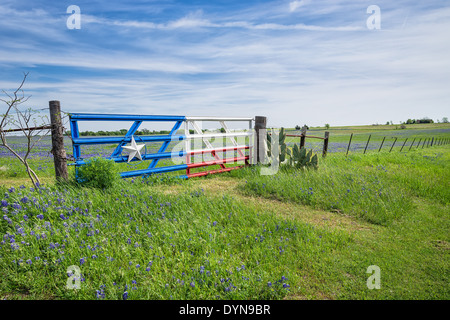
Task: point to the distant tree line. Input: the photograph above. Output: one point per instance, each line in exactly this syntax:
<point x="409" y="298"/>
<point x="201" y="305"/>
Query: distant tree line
<point x="423" y="120"/>
<point x="426" y="120"/>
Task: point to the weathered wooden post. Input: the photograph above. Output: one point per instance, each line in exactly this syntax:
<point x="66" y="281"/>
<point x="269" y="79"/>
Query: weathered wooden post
<point x="367" y="144"/>
<point x="58" y="151"/>
<point x="432" y="140"/>
<point x="261" y="138"/>
<point x="303" y="137"/>
<point x="325" y="144"/>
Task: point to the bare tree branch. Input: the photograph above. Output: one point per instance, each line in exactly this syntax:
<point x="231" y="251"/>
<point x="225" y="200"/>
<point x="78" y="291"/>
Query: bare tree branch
<point x="21" y="121"/>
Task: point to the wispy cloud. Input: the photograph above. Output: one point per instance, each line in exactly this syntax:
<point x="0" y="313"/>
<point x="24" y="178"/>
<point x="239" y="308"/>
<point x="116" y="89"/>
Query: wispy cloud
<point x="294" y="5"/>
<point x="195" y="20"/>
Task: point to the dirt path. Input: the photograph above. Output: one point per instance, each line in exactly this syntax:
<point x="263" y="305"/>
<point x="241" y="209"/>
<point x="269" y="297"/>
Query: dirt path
<point x="217" y="186"/>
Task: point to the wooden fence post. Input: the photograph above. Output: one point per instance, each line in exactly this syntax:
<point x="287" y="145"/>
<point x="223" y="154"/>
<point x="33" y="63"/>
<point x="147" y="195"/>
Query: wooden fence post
<point x="393" y="144"/>
<point x="58" y="151"/>
<point x="260" y="129"/>
<point x="367" y="144"/>
<point x="349" y="142"/>
<point x="302" y="138"/>
<point x="381" y="145"/>
<point x="325" y="144"/>
<point x="432" y="140"/>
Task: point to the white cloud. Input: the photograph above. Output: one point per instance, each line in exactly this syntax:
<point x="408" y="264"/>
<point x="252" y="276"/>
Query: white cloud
<point x="294" y="5"/>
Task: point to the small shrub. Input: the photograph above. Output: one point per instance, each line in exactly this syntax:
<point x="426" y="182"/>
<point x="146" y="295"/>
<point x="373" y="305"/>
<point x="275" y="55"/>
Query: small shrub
<point x="98" y="173"/>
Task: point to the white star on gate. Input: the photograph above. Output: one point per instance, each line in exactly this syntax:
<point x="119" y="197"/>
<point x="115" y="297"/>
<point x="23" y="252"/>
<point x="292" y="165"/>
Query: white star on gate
<point x="134" y="150"/>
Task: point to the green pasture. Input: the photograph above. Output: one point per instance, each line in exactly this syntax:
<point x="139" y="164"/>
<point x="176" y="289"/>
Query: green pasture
<point x="297" y="234"/>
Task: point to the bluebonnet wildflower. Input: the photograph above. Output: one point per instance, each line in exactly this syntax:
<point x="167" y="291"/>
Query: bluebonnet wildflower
<point x="7" y="219"/>
<point x="100" y="294"/>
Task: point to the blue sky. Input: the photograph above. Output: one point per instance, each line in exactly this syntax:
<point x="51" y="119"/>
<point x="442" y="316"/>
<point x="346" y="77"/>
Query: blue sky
<point x="296" y="62"/>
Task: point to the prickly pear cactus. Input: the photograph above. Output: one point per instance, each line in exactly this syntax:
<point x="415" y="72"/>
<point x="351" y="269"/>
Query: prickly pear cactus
<point x="282" y="147"/>
<point x="295" y="157"/>
<point x="301" y="158"/>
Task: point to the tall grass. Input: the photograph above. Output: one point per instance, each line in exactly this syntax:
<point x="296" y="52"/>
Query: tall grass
<point x="131" y="242"/>
<point x="378" y="188"/>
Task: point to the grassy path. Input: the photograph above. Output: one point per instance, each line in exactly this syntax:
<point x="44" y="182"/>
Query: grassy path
<point x="413" y="252"/>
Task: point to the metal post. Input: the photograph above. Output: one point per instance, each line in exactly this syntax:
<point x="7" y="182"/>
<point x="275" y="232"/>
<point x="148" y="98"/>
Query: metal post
<point x="381" y="145"/>
<point x="393" y="144"/>
<point x="349" y="142"/>
<point x="411" y="144"/>
<point x="403" y="144"/>
<point x="367" y="143"/>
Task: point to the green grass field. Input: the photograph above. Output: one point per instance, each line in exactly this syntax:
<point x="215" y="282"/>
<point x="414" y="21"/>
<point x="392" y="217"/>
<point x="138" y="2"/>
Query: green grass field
<point x="299" y="234"/>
